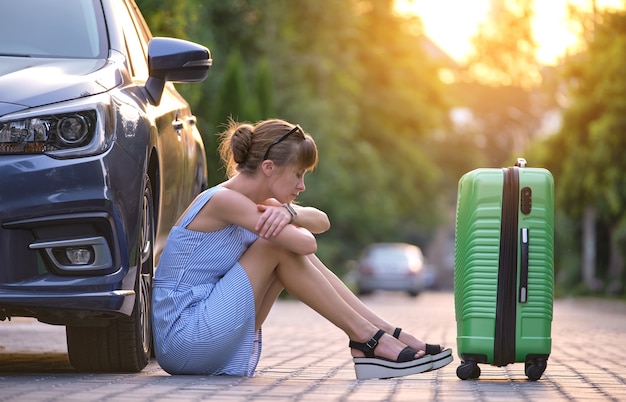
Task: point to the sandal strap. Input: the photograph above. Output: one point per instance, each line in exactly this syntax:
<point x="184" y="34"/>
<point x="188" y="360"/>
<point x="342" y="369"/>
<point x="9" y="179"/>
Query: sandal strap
<point x="429" y="350"/>
<point x="396" y="333"/>
<point x="432" y="349"/>
<point x="368" y="347"/>
<point x="406" y="355"/>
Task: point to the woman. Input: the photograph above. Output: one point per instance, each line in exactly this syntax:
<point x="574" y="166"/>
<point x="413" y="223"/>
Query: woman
<point x="241" y="243"/>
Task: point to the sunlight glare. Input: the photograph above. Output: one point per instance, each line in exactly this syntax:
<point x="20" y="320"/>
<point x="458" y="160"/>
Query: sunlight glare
<point x="449" y="23"/>
<point x="452" y="23"/>
<point x="554" y="33"/>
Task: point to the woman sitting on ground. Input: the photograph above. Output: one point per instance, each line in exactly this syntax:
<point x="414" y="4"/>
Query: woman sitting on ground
<point x="239" y="244"/>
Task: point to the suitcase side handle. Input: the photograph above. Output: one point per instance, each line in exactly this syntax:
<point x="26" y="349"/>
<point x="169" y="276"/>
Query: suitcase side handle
<point x="523" y="275"/>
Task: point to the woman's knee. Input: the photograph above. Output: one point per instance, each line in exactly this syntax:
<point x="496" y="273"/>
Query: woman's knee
<point x="262" y="250"/>
<point x="263" y="258"/>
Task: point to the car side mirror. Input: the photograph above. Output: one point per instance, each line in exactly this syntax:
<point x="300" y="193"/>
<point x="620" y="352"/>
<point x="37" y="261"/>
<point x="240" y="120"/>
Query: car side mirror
<point x="175" y="60"/>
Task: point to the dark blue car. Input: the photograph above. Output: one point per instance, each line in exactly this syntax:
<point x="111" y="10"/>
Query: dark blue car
<point x="99" y="155"/>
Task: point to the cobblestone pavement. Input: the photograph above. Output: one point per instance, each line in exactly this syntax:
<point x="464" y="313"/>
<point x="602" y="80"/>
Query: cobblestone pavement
<point x="307" y="359"/>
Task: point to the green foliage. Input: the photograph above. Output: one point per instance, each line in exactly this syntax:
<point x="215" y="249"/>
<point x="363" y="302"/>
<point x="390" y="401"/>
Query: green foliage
<point x="587" y="155"/>
<point x="370" y="107"/>
<point x="233" y="100"/>
<point x="594" y="125"/>
<point x="355" y="76"/>
<point x="263" y="90"/>
<point x="170" y="19"/>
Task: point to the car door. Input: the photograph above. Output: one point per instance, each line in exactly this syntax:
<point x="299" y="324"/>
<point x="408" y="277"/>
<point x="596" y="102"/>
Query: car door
<point x="181" y="123"/>
<point x="179" y="133"/>
<point x="170" y="120"/>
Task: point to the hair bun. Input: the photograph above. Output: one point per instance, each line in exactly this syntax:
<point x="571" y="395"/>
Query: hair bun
<point x="241" y="141"/>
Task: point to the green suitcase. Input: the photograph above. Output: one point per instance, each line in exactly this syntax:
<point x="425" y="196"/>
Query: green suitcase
<point x="503" y="268"/>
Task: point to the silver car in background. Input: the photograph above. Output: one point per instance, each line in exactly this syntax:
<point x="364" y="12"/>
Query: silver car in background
<point x="391" y="266"/>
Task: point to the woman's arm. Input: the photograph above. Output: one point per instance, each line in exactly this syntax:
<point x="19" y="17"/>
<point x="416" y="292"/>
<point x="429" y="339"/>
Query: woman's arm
<point x="231" y="207"/>
<point x="315" y="220"/>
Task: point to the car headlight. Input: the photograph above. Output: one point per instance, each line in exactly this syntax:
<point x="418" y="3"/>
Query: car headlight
<point x="76" y="128"/>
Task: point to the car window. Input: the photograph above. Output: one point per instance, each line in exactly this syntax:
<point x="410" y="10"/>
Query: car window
<point x="59" y="29"/>
<point x="393" y="254"/>
<point x="388" y="254"/>
<point x="136" y="41"/>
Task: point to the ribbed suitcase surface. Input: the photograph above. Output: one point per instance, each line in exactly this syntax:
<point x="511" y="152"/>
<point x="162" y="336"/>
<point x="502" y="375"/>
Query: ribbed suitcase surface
<point x="503" y="284"/>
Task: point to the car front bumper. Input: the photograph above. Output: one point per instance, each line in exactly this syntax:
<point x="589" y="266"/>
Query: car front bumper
<point x="49" y="206"/>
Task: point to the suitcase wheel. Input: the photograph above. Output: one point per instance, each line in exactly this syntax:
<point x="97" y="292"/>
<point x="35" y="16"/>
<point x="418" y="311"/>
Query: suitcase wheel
<point x="535" y="368"/>
<point x="468" y="370"/>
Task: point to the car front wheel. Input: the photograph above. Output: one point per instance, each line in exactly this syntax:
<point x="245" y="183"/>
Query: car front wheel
<point x="125" y="345"/>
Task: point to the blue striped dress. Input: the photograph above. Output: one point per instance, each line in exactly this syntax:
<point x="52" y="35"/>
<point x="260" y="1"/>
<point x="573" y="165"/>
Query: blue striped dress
<point x="203" y="305"/>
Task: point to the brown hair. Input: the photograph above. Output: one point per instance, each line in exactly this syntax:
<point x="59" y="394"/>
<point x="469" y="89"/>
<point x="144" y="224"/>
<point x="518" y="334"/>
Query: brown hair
<point x="243" y="146"/>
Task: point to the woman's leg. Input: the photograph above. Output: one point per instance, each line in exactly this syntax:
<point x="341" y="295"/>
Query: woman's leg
<point x="267" y="301"/>
<point x="266" y="263"/>
<point x="361" y="308"/>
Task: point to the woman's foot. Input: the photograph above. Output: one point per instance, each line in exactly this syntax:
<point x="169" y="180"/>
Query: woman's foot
<point x="376" y="358"/>
<point x="415" y="343"/>
<point x="387" y="347"/>
<point x="441" y="356"/>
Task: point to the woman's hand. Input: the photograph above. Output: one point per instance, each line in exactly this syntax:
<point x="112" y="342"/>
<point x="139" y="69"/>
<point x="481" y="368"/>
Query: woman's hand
<point x="274" y="217"/>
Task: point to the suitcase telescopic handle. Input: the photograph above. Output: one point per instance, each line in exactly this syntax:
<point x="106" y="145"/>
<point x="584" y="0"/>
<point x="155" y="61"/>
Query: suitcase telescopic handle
<point x="521" y="162"/>
<point x="523" y="276"/>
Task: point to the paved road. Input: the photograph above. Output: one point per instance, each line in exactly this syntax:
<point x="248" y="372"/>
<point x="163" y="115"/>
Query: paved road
<point x="307" y="359"/>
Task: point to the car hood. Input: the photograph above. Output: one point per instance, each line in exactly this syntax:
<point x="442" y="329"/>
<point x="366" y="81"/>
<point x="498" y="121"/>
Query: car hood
<point x="31" y="82"/>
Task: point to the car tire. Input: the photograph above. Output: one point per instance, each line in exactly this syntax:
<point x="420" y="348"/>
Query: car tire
<point x="125" y="345"/>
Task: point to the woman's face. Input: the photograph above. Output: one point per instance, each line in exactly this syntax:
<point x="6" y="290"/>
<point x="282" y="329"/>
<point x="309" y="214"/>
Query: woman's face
<point x="289" y="183"/>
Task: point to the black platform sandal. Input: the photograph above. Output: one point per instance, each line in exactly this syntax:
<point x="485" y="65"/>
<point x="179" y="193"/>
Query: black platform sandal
<point x="440" y="357"/>
<point x="371" y="366"/>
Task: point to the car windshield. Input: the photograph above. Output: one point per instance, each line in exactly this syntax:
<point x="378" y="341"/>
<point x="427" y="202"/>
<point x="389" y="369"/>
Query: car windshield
<point x="59" y="29"/>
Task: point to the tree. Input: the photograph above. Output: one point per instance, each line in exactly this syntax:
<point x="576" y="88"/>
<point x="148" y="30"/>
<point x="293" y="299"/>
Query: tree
<point x="371" y="99"/>
<point x="369" y="96"/>
<point x="263" y="89"/>
<point x="588" y="151"/>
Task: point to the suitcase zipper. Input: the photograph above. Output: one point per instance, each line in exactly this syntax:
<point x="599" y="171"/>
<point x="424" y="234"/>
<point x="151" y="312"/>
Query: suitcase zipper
<point x="504" y="337"/>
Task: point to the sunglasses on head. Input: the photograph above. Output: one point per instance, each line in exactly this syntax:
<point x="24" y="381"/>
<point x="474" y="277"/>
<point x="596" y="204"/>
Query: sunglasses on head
<point x="282" y="138"/>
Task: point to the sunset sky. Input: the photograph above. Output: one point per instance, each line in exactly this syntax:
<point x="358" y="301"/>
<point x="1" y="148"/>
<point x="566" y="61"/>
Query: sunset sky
<point x="451" y="23"/>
